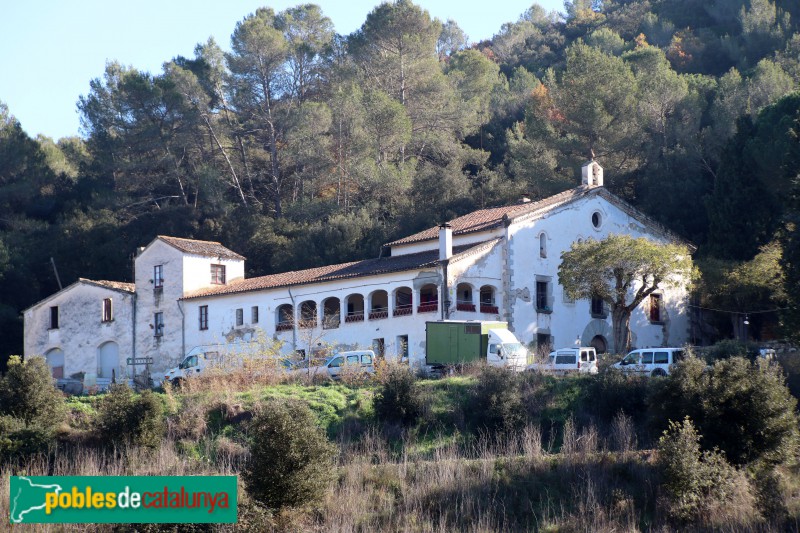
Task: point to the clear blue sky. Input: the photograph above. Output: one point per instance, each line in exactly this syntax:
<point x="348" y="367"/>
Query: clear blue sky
<point x="51" y="49"/>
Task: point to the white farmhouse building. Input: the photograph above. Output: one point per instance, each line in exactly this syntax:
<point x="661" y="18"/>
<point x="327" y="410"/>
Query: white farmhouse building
<point x="493" y="264"/>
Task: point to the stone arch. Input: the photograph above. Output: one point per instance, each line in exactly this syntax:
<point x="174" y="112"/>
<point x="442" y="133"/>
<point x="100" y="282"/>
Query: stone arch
<point x="308" y="314"/>
<point x="465" y="297"/>
<point x="331" y="313"/>
<point x="598" y="328"/>
<point x="488" y="302"/>
<point x="55" y="360"/>
<point x="599" y="343"/>
<point x="378" y="304"/>
<point x="284" y="317"/>
<point x="428" y="298"/>
<point x="355" y="308"/>
<point x="108" y="360"/>
<point x="403" y="301"/>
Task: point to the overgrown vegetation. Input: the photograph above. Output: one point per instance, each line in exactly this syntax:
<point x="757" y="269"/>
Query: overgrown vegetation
<point x="127" y="418"/>
<point x="488" y="449"/>
<point x="31" y="409"/>
<point x="291" y="461"/>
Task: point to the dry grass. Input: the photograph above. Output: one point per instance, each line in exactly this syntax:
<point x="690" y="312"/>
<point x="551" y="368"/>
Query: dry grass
<point x="404" y="479"/>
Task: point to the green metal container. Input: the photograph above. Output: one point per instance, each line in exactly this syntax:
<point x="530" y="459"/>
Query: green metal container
<point x="450" y="342"/>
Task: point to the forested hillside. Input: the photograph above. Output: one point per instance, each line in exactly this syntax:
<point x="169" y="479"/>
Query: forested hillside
<point x="302" y="147"/>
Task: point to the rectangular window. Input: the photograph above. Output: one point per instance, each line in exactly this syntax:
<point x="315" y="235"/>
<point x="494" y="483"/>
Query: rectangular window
<point x="655" y="307"/>
<point x="218" y="274"/>
<point x="647" y="358"/>
<point x="661" y="358"/>
<point x="108" y="315"/>
<point x="54" y="317"/>
<point x="203" y="317"/>
<point x="240" y="317"/>
<point x="542" y="300"/>
<point x="598" y="307"/>
<point x="254" y="315"/>
<point x="472" y="329"/>
<point x="158" y="324"/>
<point x="158" y="276"/>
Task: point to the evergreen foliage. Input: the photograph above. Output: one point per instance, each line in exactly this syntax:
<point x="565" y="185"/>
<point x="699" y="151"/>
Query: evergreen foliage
<point x="28" y="394"/>
<point x="291" y="460"/>
<point x="126" y="417"/>
<point x="398" y="399"/>
<point x="753" y="395"/>
<point x="495" y="403"/>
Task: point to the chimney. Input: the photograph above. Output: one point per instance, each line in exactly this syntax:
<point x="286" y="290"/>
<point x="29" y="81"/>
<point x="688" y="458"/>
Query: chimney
<point x="592" y="174"/>
<point x="445" y="241"/>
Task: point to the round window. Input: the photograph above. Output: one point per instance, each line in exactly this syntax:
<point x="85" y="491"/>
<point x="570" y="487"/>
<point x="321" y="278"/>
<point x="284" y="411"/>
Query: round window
<point x="597" y="219"/>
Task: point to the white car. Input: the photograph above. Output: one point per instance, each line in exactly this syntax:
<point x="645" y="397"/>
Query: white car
<point x="569" y="360"/>
<point x="359" y="361"/>
<point x="650" y="361"/>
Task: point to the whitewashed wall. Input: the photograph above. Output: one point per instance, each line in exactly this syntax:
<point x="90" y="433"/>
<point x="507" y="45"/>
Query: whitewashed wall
<point x="81" y="332"/>
<point x="569" y="321"/>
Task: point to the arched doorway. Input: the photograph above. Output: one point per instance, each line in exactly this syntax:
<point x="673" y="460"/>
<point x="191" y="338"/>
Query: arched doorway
<point x="599" y="344"/>
<point x="55" y="360"/>
<point x="108" y="361"/>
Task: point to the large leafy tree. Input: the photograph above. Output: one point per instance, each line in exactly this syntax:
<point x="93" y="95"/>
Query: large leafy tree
<point x="623" y="271"/>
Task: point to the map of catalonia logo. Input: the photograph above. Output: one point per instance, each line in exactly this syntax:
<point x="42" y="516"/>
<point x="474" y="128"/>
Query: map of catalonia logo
<point x="122" y="499"/>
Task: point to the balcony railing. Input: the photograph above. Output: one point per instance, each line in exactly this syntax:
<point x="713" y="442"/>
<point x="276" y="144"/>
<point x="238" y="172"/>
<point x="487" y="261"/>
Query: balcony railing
<point x="307" y="323"/>
<point x="378" y="313"/>
<point x="490" y="309"/>
<point x="284" y="326"/>
<point x="430" y="307"/>
<point x="331" y="322"/>
<point x="403" y="310"/>
<point x="355" y="316"/>
<point x="465" y="306"/>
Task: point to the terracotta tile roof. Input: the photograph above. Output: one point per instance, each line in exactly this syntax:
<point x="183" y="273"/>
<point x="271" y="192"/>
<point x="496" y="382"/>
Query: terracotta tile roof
<point x="356" y="269"/>
<point x="206" y="248"/>
<point x="485" y="219"/>
<point x="116" y="285"/>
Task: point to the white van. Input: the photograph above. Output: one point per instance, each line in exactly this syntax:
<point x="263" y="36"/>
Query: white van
<point x="224" y="356"/>
<point x="650" y="361"/>
<point x="568" y="360"/>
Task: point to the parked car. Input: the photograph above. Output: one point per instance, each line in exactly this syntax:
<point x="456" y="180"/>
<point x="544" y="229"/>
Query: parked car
<point x="569" y="360"/>
<point x="358" y="361"/>
<point x="650" y="361"/>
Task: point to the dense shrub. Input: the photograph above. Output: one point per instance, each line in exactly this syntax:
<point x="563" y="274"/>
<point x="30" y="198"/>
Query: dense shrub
<point x="699" y="486"/>
<point x="495" y="402"/>
<point x="291" y="460"/>
<point x="27" y="394"/>
<point x="612" y="392"/>
<point x="17" y="441"/>
<point x="728" y="348"/>
<point x="679" y="395"/>
<point x="398" y="399"/>
<point x="125" y="417"/>
<point x="743" y="409"/>
<point x="750" y="413"/>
